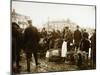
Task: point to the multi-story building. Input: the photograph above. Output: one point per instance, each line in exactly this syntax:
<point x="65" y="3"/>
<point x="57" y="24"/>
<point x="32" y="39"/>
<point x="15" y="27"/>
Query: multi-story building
<point x="59" y="25"/>
<point x="21" y="20"/>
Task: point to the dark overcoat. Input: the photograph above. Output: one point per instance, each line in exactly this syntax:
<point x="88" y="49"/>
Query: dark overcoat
<point x="31" y="38"/>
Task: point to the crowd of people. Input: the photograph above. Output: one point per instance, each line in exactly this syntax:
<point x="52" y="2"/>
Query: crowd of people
<point x="31" y="41"/>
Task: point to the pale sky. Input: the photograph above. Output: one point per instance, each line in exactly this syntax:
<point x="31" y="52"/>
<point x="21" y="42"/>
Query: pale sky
<point x="39" y="13"/>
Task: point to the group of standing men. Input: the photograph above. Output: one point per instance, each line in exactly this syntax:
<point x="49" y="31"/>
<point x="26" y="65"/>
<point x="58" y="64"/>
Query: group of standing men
<point x="81" y="41"/>
<point x="29" y="42"/>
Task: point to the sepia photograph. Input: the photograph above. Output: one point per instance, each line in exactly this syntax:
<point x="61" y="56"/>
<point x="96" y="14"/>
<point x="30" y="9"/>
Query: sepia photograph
<point x="52" y="37"/>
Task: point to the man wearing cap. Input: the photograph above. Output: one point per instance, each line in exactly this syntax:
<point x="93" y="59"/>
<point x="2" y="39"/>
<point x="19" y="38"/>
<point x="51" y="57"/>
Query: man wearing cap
<point x="77" y="37"/>
<point x="67" y="39"/>
<point x="31" y="40"/>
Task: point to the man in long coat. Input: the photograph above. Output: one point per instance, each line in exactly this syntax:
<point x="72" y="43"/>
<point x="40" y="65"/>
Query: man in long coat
<point x="16" y="44"/>
<point x="31" y="41"/>
<point x="93" y="49"/>
<point x="77" y="37"/>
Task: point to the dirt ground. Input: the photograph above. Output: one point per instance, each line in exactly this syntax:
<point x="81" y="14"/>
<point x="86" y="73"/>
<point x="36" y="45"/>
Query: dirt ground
<point x="47" y="66"/>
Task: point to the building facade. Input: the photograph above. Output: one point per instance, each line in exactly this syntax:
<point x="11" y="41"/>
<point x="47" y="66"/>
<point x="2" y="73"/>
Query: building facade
<point x="59" y="25"/>
<point x="21" y="20"/>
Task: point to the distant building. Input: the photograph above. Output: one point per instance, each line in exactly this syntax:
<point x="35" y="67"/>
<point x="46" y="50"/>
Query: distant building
<point x="20" y="19"/>
<point x="59" y="25"/>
